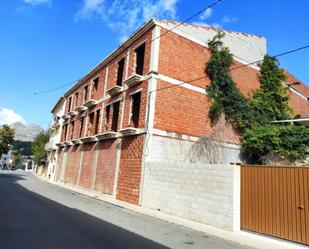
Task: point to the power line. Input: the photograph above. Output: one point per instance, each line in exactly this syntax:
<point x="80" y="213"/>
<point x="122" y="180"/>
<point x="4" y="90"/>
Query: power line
<point x="166" y="32"/>
<point x="203" y="77"/>
<point x="235" y="68"/>
<point x="56" y="88"/>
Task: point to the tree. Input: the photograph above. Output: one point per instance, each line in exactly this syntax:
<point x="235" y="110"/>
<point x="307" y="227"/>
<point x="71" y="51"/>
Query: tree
<point x="18" y="159"/>
<point x="23" y="147"/>
<point x="38" y="146"/>
<point x="6" y="139"/>
<point x="270" y="101"/>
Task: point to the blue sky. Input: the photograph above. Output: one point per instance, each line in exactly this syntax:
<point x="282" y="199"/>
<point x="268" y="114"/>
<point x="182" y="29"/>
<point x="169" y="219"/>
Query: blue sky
<point x="47" y="43"/>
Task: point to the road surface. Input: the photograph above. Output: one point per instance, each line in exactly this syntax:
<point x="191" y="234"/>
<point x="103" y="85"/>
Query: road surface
<point x="38" y="215"/>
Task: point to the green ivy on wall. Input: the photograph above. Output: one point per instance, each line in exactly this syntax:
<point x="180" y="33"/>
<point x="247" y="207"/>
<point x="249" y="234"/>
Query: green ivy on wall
<point x="251" y="116"/>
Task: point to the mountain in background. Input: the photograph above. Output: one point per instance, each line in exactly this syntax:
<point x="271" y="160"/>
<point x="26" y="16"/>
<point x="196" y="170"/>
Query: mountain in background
<point x="25" y="132"/>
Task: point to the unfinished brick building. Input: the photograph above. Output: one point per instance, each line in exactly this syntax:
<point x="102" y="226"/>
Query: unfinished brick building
<point x="134" y="107"/>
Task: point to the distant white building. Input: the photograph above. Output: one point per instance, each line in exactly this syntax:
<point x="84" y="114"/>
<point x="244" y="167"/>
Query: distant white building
<point x="28" y="163"/>
<point x="6" y="160"/>
<point x="55" y="137"/>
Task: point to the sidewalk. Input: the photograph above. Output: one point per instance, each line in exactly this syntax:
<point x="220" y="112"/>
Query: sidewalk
<point x="244" y="238"/>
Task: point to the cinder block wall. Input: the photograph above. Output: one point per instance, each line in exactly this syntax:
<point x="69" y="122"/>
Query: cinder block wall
<point x="181" y="150"/>
<point x="205" y="193"/>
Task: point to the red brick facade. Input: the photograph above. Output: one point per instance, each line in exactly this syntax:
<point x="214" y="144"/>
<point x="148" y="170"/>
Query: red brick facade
<point x="72" y="166"/>
<point x="185" y="111"/>
<point x="87" y="170"/>
<point x="130" y="169"/>
<point x="106" y="166"/>
<point x="94" y="165"/>
<point x="101" y="156"/>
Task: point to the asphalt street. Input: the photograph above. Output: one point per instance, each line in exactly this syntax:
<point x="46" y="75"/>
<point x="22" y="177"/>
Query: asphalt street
<point x="38" y="215"/>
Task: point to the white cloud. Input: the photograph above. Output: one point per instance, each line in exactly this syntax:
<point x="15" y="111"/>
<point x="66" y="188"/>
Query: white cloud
<point x="124" y="16"/>
<point x="206" y="14"/>
<point x="8" y="116"/>
<point x="37" y="2"/>
<point x="91" y="8"/>
<point x="228" y="19"/>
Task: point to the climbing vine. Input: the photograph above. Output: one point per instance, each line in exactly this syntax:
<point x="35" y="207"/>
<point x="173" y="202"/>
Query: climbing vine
<point x="251" y="116"/>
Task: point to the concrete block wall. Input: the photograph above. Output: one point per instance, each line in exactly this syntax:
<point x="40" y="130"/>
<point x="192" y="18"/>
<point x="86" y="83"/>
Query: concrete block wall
<point x="205" y="193"/>
<point x="181" y="150"/>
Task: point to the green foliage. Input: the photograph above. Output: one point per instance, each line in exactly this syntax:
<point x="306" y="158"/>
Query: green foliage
<point x="215" y="111"/>
<point x="38" y="146"/>
<point x="251" y="117"/>
<point x="289" y="141"/>
<point x="226" y="96"/>
<point x="6" y="139"/>
<point x="18" y="159"/>
<point x="23" y="147"/>
<point x="270" y="101"/>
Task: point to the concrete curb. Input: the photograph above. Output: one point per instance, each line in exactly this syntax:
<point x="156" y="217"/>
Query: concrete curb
<point x="244" y="238"/>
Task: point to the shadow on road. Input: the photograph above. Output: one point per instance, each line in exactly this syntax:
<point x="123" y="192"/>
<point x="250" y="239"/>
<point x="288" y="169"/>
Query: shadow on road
<point x="30" y="221"/>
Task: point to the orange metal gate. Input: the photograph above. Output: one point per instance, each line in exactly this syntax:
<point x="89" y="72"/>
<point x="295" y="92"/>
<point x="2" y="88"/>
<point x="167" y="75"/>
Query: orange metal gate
<point x="275" y="201"/>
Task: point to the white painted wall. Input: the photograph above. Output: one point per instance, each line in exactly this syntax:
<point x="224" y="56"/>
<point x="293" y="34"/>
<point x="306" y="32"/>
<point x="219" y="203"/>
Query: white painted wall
<point x="55" y="137"/>
<point x="205" y="193"/>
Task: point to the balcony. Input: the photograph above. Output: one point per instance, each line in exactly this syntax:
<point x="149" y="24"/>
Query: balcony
<point x="68" y="143"/>
<point x="89" y="103"/>
<point x="81" y="108"/>
<point x="72" y="113"/>
<point x="130" y="131"/>
<point x="107" y="135"/>
<point x="65" y="117"/>
<point x="88" y="139"/>
<point x="115" y="90"/>
<point x="76" y="141"/>
<point x="133" y="80"/>
<point x="59" y="145"/>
